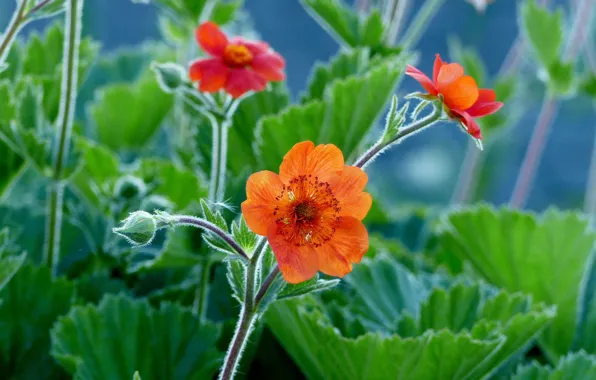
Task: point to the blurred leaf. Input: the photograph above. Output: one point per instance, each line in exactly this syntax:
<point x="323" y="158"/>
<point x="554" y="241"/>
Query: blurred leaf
<point x="127" y="116"/>
<point x="122" y="335"/>
<point x="322" y="353"/>
<point x="10" y="161"/>
<point x="588" y="85"/>
<point x="576" y="365"/>
<point x="543" y="30"/>
<point x="93" y="287"/>
<point x="224" y="12"/>
<point x="344" y="118"/>
<point x="31" y="302"/>
<point x="561" y="77"/>
<point x="545" y="257"/>
<point x="310" y="286"/>
<point x="9" y="265"/>
<point x="51" y="8"/>
<point x="469" y="59"/>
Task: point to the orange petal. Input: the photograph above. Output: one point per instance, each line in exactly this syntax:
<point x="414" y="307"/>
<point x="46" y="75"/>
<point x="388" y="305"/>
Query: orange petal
<point x="270" y="66"/>
<point x="480" y="109"/>
<point x="424" y="81"/>
<point x="470" y="124"/>
<point x="211" y="38"/>
<point x="349" y="242"/>
<point x="437" y="67"/>
<point x="296" y="263"/>
<point x="461" y="94"/>
<point x="448" y="73"/>
<point x="261" y="190"/>
<point x="486" y="95"/>
<point x="322" y="161"/>
<point x="347" y="187"/>
<point x="214" y="75"/>
<point x="241" y="81"/>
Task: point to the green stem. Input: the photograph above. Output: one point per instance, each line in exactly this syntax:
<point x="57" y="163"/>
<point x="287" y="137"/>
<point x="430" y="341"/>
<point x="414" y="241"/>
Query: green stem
<point x="403" y="133"/>
<point x="418" y="26"/>
<point x="224" y="127"/>
<point x="213" y="177"/>
<point x="248" y="317"/>
<point x="16" y="23"/>
<point x="68" y="91"/>
<point x="202" y="291"/>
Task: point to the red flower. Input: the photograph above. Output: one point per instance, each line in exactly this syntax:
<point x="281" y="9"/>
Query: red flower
<point x="311" y="212"/>
<point x="459" y="93"/>
<point x="237" y="65"/>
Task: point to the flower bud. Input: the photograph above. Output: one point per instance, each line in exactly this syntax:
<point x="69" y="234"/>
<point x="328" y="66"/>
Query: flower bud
<point x="138" y="229"/>
<point x="129" y="187"/>
<point x="170" y="76"/>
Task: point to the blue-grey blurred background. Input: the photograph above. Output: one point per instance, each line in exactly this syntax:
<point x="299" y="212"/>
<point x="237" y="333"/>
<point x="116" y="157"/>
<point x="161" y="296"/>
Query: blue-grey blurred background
<point x="423" y="169"/>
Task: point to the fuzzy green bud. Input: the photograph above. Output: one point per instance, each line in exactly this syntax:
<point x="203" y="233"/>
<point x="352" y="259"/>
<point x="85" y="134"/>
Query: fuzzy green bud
<point x="138" y="229"/>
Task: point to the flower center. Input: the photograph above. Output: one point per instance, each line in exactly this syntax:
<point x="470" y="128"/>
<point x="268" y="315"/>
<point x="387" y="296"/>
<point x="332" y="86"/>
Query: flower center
<point x="307" y="212"/>
<point x="237" y="55"/>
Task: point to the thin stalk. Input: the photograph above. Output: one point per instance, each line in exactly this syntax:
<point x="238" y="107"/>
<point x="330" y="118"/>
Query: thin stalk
<point x="426" y="13"/>
<point x="403" y="133"/>
<point x="199" y="306"/>
<point x="16" y="23"/>
<point x="549" y="110"/>
<point x="266" y="284"/>
<point x="213" y="178"/>
<point x="222" y="169"/>
<point x="396" y="20"/>
<point x="590" y="197"/>
<point x="468" y="176"/>
<point x="248" y="316"/>
<point x="68" y="91"/>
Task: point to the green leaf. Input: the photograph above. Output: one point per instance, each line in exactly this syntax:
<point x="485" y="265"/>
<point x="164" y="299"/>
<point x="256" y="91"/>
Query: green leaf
<point x="313" y="285"/>
<point x="181" y="186"/>
<point x="469" y="59"/>
<point x="236" y="274"/>
<point x="136" y="376"/>
<point x="31" y="302"/>
<point x="545" y="257"/>
<point x="577" y="365"/>
<point x="336" y="19"/>
<point x="224" y="12"/>
<point x="588" y="85"/>
<point x="127" y="116"/>
<point x="122" y="335"/>
<point x="51" y="8"/>
<point x="561" y="77"/>
<point x="320" y="351"/>
<point x="348" y="112"/>
<point x="244" y="236"/>
<point x="9" y="266"/>
<point x="543" y="31"/>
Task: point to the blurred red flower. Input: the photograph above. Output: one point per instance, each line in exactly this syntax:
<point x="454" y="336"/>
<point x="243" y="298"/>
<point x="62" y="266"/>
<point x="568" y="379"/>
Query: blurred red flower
<point x="459" y="93"/>
<point x="236" y="65"/>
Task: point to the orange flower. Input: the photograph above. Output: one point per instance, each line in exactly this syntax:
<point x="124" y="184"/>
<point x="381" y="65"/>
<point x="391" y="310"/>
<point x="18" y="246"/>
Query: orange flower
<point x="237" y="65"/>
<point x="459" y="93"/>
<point x="311" y="212"/>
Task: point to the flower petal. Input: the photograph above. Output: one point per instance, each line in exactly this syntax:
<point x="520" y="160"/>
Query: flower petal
<point x="461" y="94"/>
<point x="255" y="47"/>
<point x="296" y="263"/>
<point x="213" y="74"/>
<point x="261" y="190"/>
<point x="243" y="80"/>
<point x="436" y="68"/>
<point x="448" y="73"/>
<point x="304" y="158"/>
<point x="347" y="187"/>
<point x="270" y="66"/>
<point x="486" y="95"/>
<point x="211" y="38"/>
<point x="483" y="109"/>
<point x="424" y="81"/>
<point x="349" y="242"/>
<point x="470" y="124"/>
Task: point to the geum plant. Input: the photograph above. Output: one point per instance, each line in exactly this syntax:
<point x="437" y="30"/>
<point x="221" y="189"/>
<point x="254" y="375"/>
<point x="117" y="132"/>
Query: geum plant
<point x="164" y="137"/>
<point x="310" y="214"/>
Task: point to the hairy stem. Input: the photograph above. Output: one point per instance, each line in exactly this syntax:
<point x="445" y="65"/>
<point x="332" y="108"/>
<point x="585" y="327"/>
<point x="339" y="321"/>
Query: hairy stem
<point x="526" y="175"/>
<point x="188" y="220"/>
<point x="15" y="24"/>
<point x="248" y="316"/>
<point x="266" y="284"/>
<point x="68" y="91"/>
<point x="403" y="133"/>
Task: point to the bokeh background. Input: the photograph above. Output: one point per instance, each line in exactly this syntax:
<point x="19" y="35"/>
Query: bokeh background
<point x="424" y="169"/>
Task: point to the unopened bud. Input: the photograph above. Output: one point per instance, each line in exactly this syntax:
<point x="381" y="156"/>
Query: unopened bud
<point x="138" y="229"/>
<point x="170" y="76"/>
<point x="129" y="187"/>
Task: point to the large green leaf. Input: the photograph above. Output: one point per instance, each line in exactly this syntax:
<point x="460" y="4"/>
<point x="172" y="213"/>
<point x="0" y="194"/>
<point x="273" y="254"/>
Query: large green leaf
<point x="122" y="335"/>
<point x="31" y="302"/>
<point x="128" y="115"/>
<point x="577" y="365"/>
<point x="544" y="256"/>
<point x="322" y="353"/>
<point x="344" y="117"/>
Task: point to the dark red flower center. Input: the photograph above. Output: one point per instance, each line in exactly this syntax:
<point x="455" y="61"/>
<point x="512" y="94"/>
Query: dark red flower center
<point x="307" y="211"/>
<point x="237" y="55"/>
